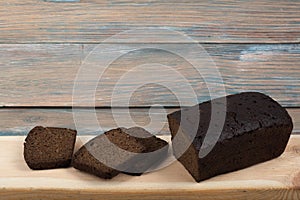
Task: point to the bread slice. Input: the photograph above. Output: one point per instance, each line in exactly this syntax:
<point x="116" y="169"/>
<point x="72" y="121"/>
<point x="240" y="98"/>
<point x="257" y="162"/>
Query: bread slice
<point x="114" y="151"/>
<point x="48" y="148"/>
<point x="156" y="147"/>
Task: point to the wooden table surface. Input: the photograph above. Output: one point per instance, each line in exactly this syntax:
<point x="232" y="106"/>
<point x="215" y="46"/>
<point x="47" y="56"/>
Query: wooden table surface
<point x="275" y="179"/>
<point x="255" y="45"/>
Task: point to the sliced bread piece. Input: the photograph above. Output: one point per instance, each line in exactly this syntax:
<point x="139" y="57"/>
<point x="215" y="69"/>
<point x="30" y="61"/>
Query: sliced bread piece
<point x="115" y="151"/>
<point x="48" y="148"/>
<point x="156" y="149"/>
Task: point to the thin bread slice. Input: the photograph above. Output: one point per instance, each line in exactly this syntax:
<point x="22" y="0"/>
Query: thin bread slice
<point x="115" y="151"/>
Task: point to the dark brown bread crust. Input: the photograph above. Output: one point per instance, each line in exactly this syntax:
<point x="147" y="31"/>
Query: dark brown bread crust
<point x="256" y="129"/>
<point x="99" y="157"/>
<point x="157" y="147"/>
<point x="48" y="148"/>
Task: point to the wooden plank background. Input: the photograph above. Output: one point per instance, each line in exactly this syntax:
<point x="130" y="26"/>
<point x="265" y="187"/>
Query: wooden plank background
<point x="254" y="44"/>
<point x="21" y="121"/>
<point x="44" y="74"/>
<point x="89" y="21"/>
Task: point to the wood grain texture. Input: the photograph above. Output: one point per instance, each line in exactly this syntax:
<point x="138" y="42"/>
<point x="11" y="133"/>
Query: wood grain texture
<point x="92" y="21"/>
<point x="275" y="179"/>
<point x="44" y="74"/>
<point x="228" y="194"/>
<point x="295" y="114"/>
<point x="19" y="121"/>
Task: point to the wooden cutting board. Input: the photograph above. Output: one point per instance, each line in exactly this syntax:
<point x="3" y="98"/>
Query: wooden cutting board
<point x="275" y="179"/>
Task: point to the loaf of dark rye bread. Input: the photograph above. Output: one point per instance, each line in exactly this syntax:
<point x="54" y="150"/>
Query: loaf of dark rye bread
<point x="256" y="129"/>
<point x="119" y="150"/>
<point x="48" y="148"/>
